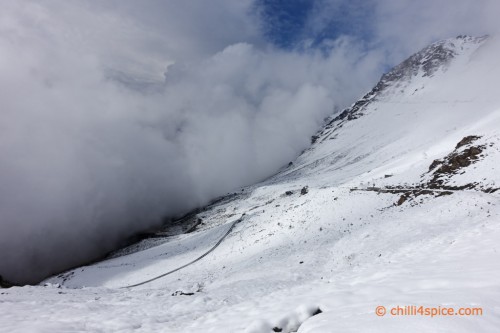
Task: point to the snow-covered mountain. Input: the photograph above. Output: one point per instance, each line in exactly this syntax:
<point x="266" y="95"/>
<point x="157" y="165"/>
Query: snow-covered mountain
<point x="394" y="204"/>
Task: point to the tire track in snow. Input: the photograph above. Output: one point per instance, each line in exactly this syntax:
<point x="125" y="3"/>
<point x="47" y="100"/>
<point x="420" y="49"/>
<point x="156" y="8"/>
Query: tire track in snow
<point x="191" y="262"/>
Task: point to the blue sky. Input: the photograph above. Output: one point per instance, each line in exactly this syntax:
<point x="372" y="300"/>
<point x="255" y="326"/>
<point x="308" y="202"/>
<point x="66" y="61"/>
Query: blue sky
<point x="287" y="24"/>
<point x="284" y="21"/>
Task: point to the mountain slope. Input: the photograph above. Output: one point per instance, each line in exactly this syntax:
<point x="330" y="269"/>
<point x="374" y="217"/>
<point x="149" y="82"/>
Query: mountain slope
<point x="395" y="203"/>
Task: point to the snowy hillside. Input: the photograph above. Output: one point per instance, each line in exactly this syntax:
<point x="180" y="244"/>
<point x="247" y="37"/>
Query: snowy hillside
<point x="395" y="203"/>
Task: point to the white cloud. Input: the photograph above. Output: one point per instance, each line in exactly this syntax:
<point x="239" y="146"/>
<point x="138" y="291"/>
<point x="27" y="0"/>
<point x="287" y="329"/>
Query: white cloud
<point x="403" y="27"/>
<point x="398" y="28"/>
<point x="91" y="155"/>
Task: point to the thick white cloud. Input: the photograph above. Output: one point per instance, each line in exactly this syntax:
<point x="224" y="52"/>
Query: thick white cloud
<point x="399" y="28"/>
<point x="95" y="147"/>
<point x="402" y="27"/>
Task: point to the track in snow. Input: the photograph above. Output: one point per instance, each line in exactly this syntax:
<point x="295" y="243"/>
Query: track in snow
<point x="191" y="262"/>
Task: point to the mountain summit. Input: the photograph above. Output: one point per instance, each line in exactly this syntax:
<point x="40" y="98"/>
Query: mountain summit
<point x="423" y="64"/>
<point x="432" y="58"/>
<point x="395" y="203"/>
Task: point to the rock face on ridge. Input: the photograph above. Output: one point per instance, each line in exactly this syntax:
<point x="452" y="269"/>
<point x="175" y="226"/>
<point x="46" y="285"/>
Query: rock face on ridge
<point x="424" y="63"/>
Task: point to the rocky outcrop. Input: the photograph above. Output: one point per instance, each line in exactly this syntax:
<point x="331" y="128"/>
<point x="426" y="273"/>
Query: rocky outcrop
<point x="465" y="154"/>
<point x="438" y="177"/>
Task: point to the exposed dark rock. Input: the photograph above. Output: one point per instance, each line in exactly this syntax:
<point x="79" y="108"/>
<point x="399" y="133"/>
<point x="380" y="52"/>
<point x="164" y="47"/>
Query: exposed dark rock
<point x="467" y="140"/>
<point x="181" y="293"/>
<point x="5" y="283"/>
<point x="434" y="164"/>
<point x="194" y="226"/>
<point x="444" y="193"/>
<point x="402" y="199"/>
<point x="288" y="193"/>
<point x="455" y="161"/>
<point x="317" y="312"/>
<point x="277" y="329"/>
<point x="304" y="190"/>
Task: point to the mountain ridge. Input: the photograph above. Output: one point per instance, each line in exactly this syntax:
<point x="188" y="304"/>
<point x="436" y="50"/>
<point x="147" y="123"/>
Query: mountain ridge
<point x="429" y="60"/>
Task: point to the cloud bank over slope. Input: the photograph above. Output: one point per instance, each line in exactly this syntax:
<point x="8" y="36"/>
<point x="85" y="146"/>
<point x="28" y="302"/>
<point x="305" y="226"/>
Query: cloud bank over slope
<point x="116" y="114"/>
